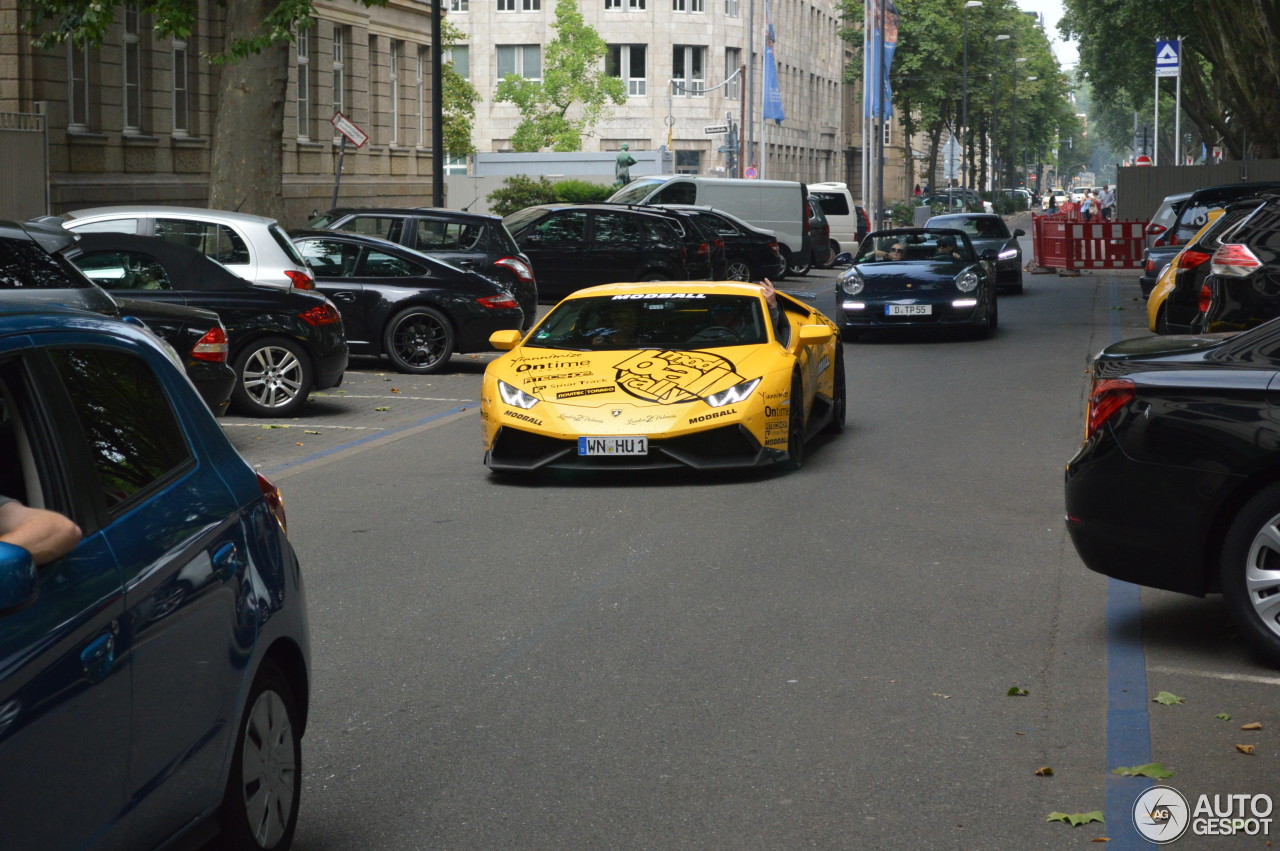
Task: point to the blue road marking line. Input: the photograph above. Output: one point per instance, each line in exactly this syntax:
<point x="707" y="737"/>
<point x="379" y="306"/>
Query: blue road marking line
<point x="1128" y="712"/>
<point x="280" y="468"/>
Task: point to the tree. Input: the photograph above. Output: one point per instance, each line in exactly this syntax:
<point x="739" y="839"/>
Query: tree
<point x="460" y="98"/>
<point x="245" y="169"/>
<point x="571" y="76"/>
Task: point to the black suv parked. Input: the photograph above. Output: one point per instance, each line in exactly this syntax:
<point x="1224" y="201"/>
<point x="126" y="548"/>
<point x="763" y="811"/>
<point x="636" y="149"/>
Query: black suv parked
<point x="1244" y="280"/>
<point x="1191" y="217"/>
<point x="475" y="241"/>
<point x="573" y="246"/>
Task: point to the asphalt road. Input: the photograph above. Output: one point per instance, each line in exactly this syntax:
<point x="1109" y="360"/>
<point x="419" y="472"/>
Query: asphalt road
<point x="817" y="659"/>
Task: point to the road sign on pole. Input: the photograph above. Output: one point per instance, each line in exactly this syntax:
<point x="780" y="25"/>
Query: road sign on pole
<point x="1167" y="64"/>
<point x="715" y="128"/>
<point x="349" y="130"/>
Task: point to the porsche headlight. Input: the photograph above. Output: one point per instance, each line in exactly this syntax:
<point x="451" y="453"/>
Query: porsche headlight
<point x="1008" y="254"/>
<point x="515" y="396"/>
<point x="967" y="282"/>
<point x="851" y="281"/>
<point x="736" y="393"/>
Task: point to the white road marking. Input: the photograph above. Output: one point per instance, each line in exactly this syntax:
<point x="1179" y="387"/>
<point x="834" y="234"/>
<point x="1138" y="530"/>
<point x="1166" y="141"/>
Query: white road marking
<point x="1216" y="675"/>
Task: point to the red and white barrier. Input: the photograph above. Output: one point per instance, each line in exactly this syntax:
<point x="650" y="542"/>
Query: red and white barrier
<point x="1061" y="241"/>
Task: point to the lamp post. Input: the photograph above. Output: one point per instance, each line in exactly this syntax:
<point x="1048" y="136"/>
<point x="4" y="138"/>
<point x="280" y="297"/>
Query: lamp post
<point x="964" y="111"/>
<point x="1011" y="159"/>
<point x="995" y="97"/>
<point x="1029" y="79"/>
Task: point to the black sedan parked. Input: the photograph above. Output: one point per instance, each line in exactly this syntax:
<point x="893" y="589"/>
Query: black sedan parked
<point x="988" y="230"/>
<point x="918" y="278"/>
<point x="475" y="241"/>
<point x="415" y="309"/>
<point x="751" y="253"/>
<point x="283" y="343"/>
<point x="1177" y="485"/>
<point x="35" y="271"/>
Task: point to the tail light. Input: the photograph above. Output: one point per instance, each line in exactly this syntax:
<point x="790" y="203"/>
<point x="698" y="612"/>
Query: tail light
<point x="1154" y="229"/>
<point x="703" y="248"/>
<point x="1151" y="264"/>
<point x="773" y="246"/>
<point x="516" y="265"/>
<point x="1107" y="396"/>
<point x="1189" y="259"/>
<point x="1206" y="296"/>
<point x="211" y="347"/>
<point x="1234" y="260"/>
<point x="321" y="314"/>
<point x="301" y="280"/>
<point x="275" y="502"/>
<point x="501" y="301"/>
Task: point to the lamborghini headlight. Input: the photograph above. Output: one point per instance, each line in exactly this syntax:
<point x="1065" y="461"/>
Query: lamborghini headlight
<point x="851" y="281"/>
<point x="736" y="393"/>
<point x="967" y="282"/>
<point x="515" y="396"/>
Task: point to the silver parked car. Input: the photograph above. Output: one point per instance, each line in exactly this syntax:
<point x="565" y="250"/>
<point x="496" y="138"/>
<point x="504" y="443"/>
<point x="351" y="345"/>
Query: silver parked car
<point x="254" y="247"/>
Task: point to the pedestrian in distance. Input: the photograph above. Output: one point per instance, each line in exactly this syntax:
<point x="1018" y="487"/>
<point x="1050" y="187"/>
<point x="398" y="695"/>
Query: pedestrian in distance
<point x="1107" y="201"/>
<point x="1086" y="207"/>
<point x="1053" y="203"/>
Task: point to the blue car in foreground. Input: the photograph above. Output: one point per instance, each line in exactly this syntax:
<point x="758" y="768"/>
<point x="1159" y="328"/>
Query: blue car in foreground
<point x="154" y="681"/>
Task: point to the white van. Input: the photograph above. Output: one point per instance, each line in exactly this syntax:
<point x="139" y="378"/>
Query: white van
<point x="841" y="212"/>
<point x="781" y="206"/>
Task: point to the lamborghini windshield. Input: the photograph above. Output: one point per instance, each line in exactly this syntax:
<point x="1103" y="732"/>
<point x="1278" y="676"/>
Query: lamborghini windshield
<point x="652" y="321"/>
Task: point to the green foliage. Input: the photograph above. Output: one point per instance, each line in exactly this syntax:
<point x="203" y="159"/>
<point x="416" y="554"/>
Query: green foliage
<point x="1154" y="770"/>
<point x="582" y="191"/>
<point x="903" y="214"/>
<point x="460" y="98"/>
<point x="1168" y="699"/>
<point x="520" y="191"/>
<point x="571" y="77"/>
<point x="1077" y="819"/>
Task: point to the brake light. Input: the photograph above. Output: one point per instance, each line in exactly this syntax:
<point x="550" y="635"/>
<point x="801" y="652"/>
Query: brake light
<point x="1189" y="259"/>
<point x="321" y="314"/>
<point x="211" y="347"/>
<point x="301" y="280"/>
<point x="1235" y="260"/>
<point x="704" y="248"/>
<point x="516" y="265"/>
<point x="275" y="502"/>
<point x="1151" y="264"/>
<point x="1107" y="396"/>
<point x="1155" y="230"/>
<point x="1206" y="296"/>
<point x="501" y="301"/>
<point x="773" y="246"/>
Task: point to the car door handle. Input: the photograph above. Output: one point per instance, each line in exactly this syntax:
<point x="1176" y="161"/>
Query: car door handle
<point x="226" y="561"/>
<point x="343" y="296"/>
<point x="99" y="657"/>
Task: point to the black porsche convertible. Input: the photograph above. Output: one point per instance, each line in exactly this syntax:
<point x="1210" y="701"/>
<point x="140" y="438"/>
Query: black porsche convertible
<point x="918" y="278"/>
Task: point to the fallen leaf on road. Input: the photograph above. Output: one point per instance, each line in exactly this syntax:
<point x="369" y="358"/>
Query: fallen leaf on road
<point x="382" y="408"/>
<point x="1044" y="771"/>
<point x="1222" y="716"/>
<point x="1245" y="749"/>
<point x="1154" y="770"/>
<point x="1014" y="691"/>
<point x="1077" y="819"/>
<point x="1168" y="699"/>
<point x="1253" y="726"/>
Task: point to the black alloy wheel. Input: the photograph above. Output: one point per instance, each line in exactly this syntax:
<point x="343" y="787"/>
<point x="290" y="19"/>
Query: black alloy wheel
<point x="1250" y="572"/>
<point x="274" y="377"/>
<point x="260" y="805"/>
<point x="799" y="268"/>
<point x="737" y="269"/>
<point x="418" y="340"/>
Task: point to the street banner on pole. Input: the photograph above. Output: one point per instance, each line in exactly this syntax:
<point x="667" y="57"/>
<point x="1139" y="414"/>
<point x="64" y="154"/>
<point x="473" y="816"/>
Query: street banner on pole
<point x="879" y="99"/>
<point x="772" y="96"/>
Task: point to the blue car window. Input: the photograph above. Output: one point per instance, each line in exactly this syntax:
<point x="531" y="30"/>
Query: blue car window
<point x="133" y="434"/>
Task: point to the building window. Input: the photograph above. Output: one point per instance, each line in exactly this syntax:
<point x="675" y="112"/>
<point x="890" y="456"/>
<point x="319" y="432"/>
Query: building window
<point x="77" y="88"/>
<point x="531" y="5"/>
<point x="618" y="5"/>
<point x="420" y="79"/>
<point x="459" y="56"/>
<point x="393" y="59"/>
<point x="732" y="64"/>
<point x="523" y="60"/>
<point x="688" y="162"/>
<point x="888" y="134"/>
<point x="731" y="8"/>
<point x="459" y="5"/>
<point x="506" y="5"/>
<point x="181" y="88"/>
<point x="627" y="62"/>
<point x="131" y="71"/>
<point x="341" y="37"/>
<point x="455" y="165"/>
<point x="686" y="70"/>
<point x="303" y="43"/>
<point x="686" y="5"/>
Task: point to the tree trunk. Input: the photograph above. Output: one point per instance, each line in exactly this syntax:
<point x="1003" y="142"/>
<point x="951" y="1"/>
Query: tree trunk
<point x="245" y="171"/>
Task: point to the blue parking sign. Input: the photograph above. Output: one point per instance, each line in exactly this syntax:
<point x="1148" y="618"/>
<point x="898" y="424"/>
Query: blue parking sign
<point x="1167" y="63"/>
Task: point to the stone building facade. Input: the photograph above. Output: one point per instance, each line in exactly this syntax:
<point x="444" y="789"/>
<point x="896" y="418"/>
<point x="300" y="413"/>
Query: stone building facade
<point x="129" y="121"/>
